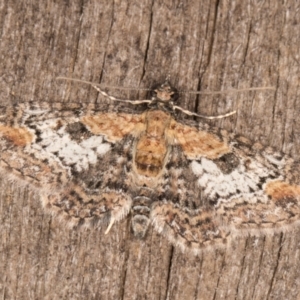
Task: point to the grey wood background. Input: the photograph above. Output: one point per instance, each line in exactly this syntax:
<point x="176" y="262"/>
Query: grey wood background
<point x="203" y="45"/>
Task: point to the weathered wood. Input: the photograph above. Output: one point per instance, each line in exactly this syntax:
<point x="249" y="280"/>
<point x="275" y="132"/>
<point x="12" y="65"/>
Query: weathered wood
<point x="207" y="45"/>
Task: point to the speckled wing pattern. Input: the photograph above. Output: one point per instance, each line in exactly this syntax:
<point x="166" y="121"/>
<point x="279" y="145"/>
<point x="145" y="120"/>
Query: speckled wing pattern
<point x="198" y="186"/>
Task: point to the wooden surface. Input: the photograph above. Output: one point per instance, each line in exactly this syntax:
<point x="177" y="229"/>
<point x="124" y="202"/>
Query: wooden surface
<point x="203" y="45"/>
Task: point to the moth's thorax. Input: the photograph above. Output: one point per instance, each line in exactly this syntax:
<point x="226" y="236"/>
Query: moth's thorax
<point x="152" y="147"/>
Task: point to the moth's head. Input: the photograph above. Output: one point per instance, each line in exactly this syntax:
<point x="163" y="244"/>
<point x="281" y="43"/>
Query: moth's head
<point x="165" y="93"/>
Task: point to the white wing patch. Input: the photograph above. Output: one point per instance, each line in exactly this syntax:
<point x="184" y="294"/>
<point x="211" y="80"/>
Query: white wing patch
<point x="225" y="187"/>
<point x="58" y="143"/>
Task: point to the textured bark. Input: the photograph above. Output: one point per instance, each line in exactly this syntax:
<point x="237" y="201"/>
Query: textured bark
<point x="207" y="45"/>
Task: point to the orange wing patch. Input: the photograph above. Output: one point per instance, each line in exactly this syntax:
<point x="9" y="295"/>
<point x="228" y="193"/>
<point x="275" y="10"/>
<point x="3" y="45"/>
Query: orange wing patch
<point x="114" y="126"/>
<point x="19" y="136"/>
<point x="195" y="143"/>
<point x="282" y="192"/>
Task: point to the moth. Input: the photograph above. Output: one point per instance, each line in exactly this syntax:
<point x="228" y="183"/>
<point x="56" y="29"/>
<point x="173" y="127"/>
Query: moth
<point x="199" y="186"/>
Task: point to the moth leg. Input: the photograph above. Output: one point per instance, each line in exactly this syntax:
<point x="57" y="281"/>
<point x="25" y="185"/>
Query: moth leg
<point x="111" y="223"/>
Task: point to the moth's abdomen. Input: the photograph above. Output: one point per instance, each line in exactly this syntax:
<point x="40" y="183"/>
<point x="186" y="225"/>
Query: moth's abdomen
<point x="140" y="216"/>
